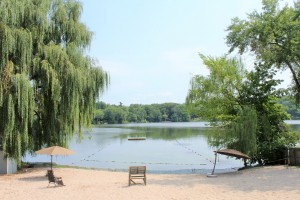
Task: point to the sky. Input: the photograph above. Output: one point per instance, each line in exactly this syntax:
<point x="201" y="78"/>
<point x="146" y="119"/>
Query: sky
<point x="150" y="47"/>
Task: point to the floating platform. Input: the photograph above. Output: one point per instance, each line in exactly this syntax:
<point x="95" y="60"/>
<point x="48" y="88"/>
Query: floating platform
<point x="137" y="138"/>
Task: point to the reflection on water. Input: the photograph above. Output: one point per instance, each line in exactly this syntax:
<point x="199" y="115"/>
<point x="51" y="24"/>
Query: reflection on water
<point x="168" y="148"/>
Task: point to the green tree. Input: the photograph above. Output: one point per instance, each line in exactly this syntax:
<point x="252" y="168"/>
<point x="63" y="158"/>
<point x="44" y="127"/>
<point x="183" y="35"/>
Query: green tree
<point x="246" y="110"/>
<point x="98" y="116"/>
<point x="180" y="114"/>
<point x="142" y="113"/>
<point x="48" y="86"/>
<point x="243" y="131"/>
<point x="101" y="105"/>
<point x="215" y="97"/>
<point x="115" y="114"/>
<point x="109" y="115"/>
<point x="167" y="110"/>
<point x="153" y="113"/>
<point x="121" y="115"/>
<point x="290" y="107"/>
<point x="273" y="36"/>
<point x="137" y="113"/>
<point x="273" y="134"/>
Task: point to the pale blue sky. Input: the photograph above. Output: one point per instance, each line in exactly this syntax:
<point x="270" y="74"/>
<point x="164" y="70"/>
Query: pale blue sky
<point x="150" y="47"/>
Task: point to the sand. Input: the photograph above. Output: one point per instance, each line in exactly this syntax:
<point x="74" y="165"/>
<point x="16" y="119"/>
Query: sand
<point x="279" y="182"/>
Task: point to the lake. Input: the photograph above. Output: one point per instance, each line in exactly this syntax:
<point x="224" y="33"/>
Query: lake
<point x="168" y="148"/>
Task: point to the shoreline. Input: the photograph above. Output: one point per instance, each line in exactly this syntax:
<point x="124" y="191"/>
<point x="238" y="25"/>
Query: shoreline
<point x="260" y="183"/>
<point x="203" y="171"/>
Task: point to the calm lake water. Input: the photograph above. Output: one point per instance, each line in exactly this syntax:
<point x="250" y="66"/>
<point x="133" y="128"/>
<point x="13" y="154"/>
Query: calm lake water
<point x="168" y="148"/>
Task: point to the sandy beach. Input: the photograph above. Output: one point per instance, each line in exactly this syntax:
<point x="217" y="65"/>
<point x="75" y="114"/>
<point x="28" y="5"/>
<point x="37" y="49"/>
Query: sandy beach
<point x="277" y="182"/>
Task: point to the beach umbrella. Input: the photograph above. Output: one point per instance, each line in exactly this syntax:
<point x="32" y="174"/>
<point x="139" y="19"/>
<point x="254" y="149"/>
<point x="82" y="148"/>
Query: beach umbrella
<point x="232" y="152"/>
<point x="54" y="151"/>
<point x="228" y="152"/>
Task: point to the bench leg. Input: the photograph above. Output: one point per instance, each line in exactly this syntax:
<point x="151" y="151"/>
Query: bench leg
<point x="130" y="180"/>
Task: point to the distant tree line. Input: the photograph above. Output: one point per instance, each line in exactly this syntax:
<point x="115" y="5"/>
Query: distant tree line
<point x="172" y="112"/>
<point x="290" y="107"/>
<point x="137" y="113"/>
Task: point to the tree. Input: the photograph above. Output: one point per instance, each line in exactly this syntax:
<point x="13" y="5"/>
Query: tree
<point x="48" y="86"/>
<point x="214" y="97"/>
<point x="115" y="114"/>
<point x="137" y="113"/>
<point x="101" y="105"/>
<point x="273" y="36"/>
<point x="153" y="113"/>
<point x="273" y="134"/>
<point x="243" y="132"/>
<point x="98" y="116"/>
<point x="290" y="107"/>
<point x="142" y="113"/>
<point x="180" y="114"/>
<point x="243" y="106"/>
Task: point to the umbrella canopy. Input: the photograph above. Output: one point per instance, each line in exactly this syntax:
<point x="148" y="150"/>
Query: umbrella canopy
<point x="55" y="150"/>
<point x="232" y="152"/>
<point x="228" y="152"/>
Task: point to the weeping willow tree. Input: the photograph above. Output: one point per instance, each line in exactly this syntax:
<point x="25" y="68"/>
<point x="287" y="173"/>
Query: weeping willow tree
<point x="243" y="108"/>
<point x="48" y="86"/>
<point x="243" y="132"/>
<point x="214" y="97"/>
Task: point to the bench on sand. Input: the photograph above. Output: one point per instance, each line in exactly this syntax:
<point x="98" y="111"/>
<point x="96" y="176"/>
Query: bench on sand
<point x="137" y="172"/>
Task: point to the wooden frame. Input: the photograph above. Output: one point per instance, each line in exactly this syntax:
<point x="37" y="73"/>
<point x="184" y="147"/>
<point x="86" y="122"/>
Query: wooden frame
<point x="137" y="172"/>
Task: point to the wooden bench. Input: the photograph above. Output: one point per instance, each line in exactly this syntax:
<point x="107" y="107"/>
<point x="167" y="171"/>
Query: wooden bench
<point x="137" y="172"/>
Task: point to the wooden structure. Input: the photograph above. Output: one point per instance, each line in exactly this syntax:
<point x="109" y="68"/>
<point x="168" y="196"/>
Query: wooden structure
<point x="137" y="172"/>
<point x="57" y="181"/>
<point x="137" y="138"/>
<point x="293" y="156"/>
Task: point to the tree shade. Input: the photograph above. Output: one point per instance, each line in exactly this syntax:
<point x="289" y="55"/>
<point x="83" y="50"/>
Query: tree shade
<point x="48" y="84"/>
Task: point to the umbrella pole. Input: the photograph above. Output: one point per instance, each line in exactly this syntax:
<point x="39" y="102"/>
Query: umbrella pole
<point x="51" y="162"/>
<point x="213" y="171"/>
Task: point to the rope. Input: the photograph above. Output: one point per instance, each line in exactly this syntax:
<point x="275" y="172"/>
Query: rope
<point x="183" y="146"/>
<point x="100" y="149"/>
<point x="145" y="163"/>
<point x="87" y="158"/>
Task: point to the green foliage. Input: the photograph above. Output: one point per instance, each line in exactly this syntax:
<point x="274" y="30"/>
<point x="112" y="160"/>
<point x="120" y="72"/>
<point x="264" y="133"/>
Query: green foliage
<point x="243" y="132"/>
<point x="273" y="36"/>
<point x="214" y="97"/>
<point x="153" y="113"/>
<point x="115" y="115"/>
<point x="48" y="86"/>
<point x="245" y="110"/>
<point x="137" y="113"/>
<point x="290" y="107"/>
<point x="98" y="116"/>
